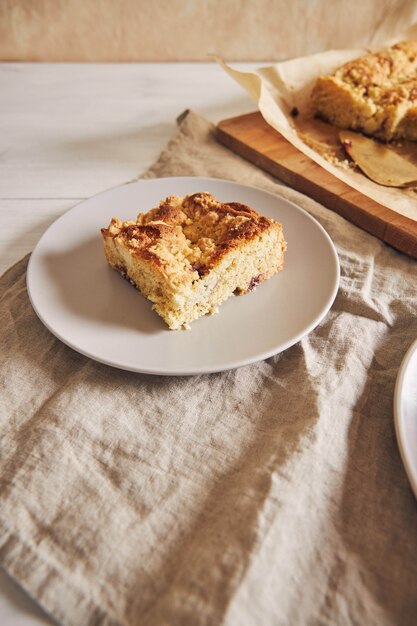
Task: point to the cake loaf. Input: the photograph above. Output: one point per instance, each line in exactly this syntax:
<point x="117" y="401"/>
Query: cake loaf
<point x="375" y="94"/>
<point x="190" y="254"/>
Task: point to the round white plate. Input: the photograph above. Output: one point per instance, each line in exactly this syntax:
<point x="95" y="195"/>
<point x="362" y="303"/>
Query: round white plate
<point x="405" y="413"/>
<point x="93" y="310"/>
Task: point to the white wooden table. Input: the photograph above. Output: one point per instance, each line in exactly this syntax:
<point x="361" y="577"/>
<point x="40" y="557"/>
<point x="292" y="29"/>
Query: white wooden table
<point x="69" y="131"/>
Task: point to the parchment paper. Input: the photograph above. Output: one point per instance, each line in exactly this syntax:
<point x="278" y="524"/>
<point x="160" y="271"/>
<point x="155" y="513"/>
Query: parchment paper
<point x="283" y="87"/>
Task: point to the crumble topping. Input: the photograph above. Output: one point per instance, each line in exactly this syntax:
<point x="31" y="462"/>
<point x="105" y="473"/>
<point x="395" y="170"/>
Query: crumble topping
<point x="186" y="236"/>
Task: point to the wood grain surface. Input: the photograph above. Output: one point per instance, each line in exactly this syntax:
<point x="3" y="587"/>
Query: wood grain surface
<point x="251" y="137"/>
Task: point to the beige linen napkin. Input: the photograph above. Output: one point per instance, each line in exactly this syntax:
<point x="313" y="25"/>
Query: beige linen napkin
<point x="273" y="494"/>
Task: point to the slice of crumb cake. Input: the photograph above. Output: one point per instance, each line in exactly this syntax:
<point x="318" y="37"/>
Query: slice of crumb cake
<point x="375" y="94"/>
<point x="190" y="254"/>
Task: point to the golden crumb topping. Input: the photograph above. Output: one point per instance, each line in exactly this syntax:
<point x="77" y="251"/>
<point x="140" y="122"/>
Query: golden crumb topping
<point x="187" y="236"/>
<point x="385" y="69"/>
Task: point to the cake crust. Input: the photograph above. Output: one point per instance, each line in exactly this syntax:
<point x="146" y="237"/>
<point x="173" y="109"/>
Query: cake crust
<point x="189" y="254"/>
<point x="375" y="94"/>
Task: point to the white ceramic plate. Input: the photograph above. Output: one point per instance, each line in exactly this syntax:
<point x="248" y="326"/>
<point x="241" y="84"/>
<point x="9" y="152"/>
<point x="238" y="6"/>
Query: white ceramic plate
<point x="93" y="310"/>
<point x="405" y="413"/>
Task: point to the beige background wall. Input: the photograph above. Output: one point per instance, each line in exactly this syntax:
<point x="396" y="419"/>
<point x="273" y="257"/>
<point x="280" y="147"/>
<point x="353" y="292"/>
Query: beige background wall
<point x="129" y="30"/>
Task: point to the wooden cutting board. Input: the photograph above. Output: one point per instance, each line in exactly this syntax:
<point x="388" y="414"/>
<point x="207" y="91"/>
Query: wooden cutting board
<point x="251" y="137"/>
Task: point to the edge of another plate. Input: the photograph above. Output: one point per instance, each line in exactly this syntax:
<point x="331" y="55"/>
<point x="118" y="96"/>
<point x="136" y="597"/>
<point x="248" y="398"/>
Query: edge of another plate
<point x="400" y="414"/>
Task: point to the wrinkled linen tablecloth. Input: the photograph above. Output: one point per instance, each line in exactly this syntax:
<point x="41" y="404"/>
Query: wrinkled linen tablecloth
<point x="273" y="494"/>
